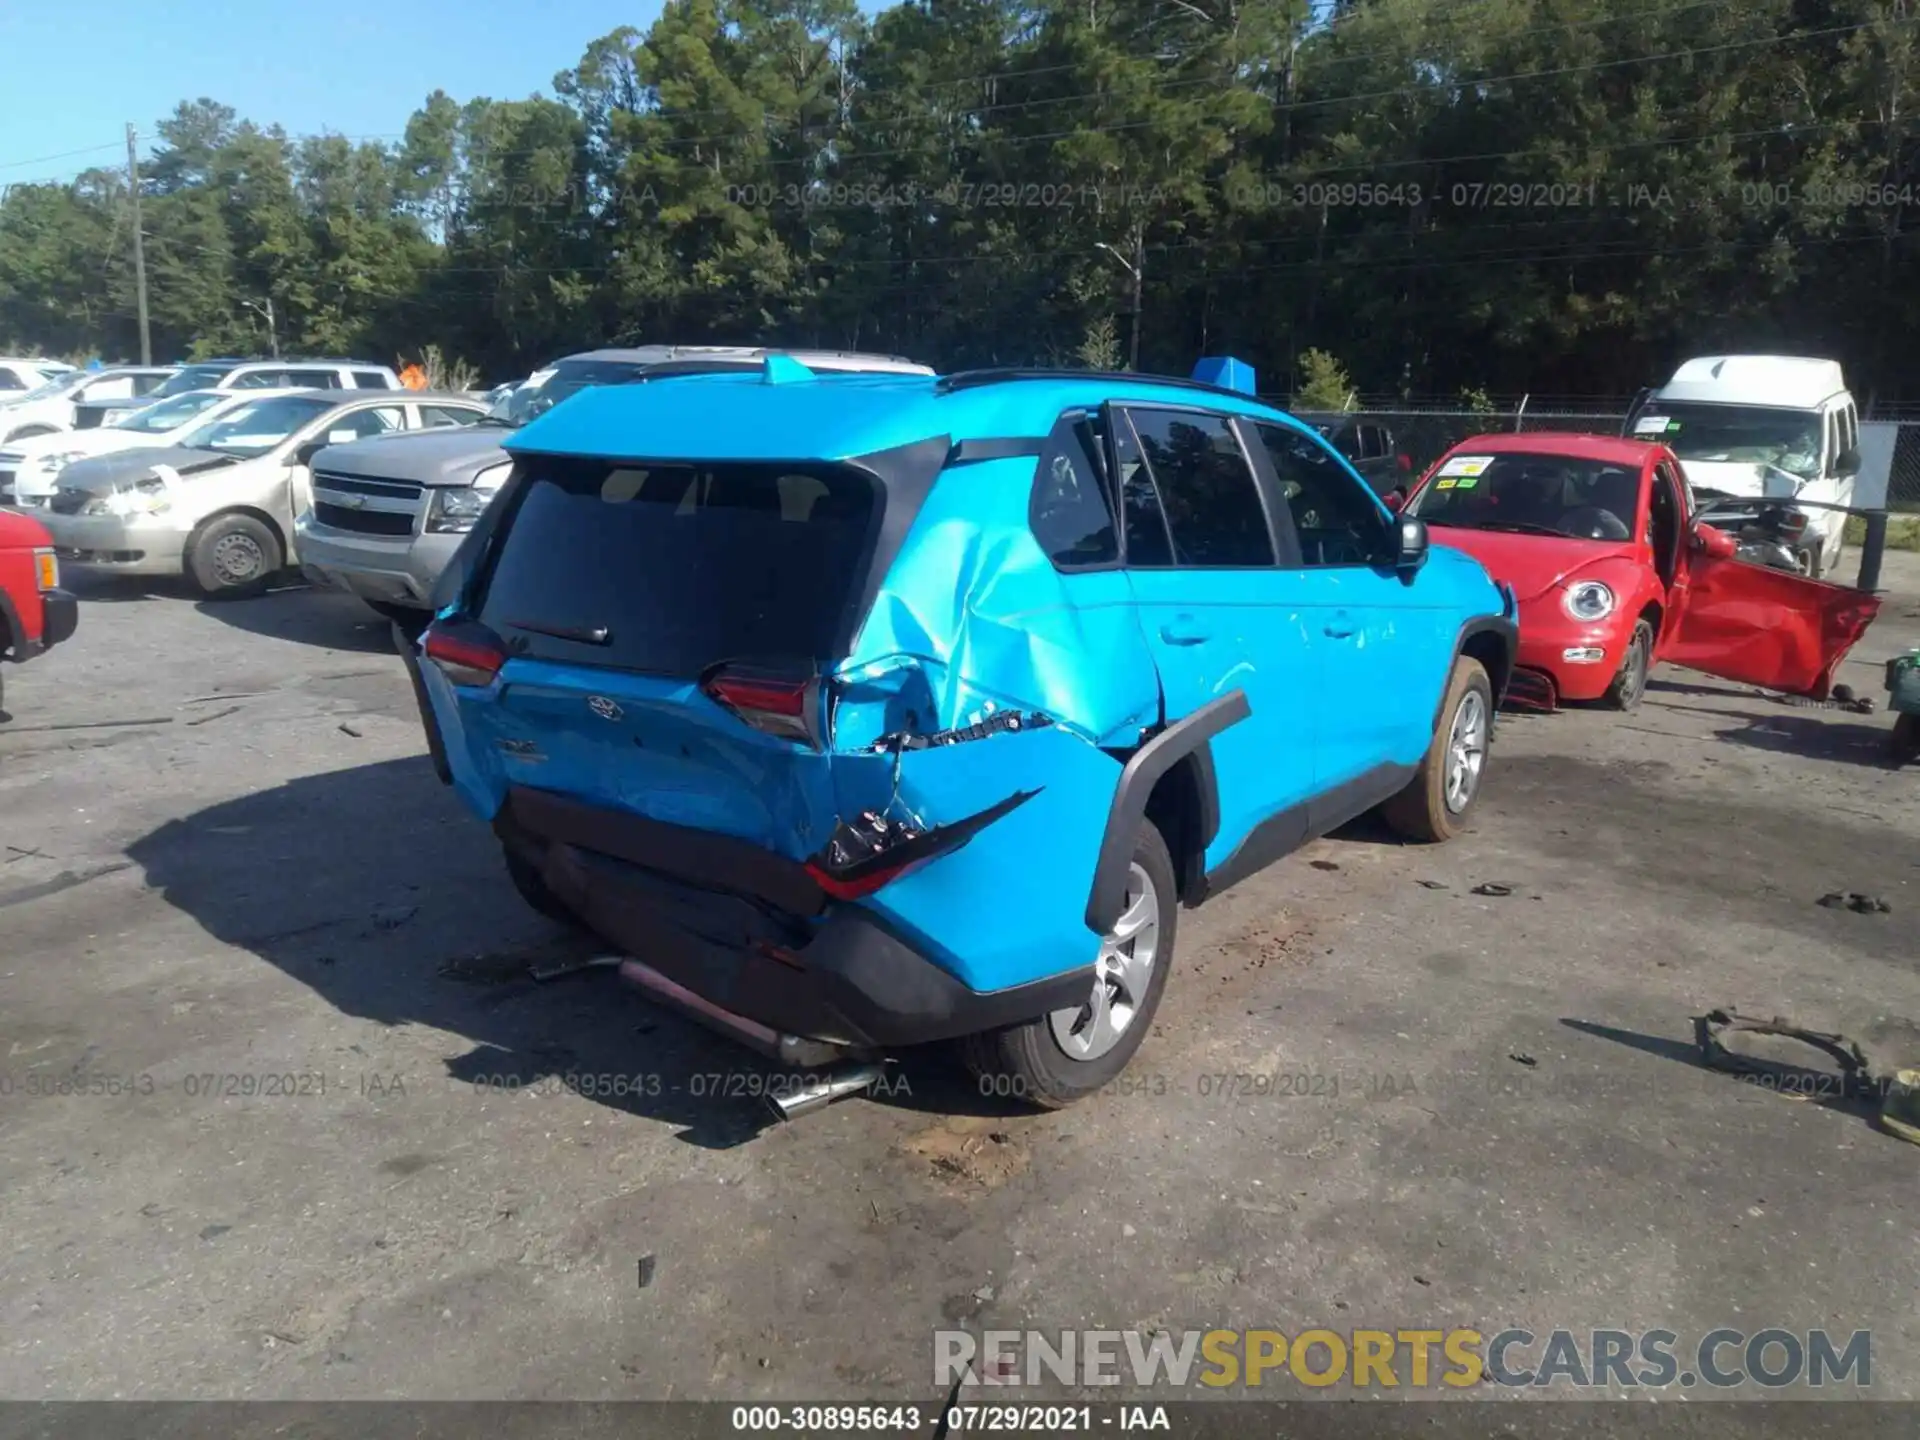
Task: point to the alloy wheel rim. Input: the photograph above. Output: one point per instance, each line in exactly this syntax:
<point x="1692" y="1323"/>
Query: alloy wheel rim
<point x="1637" y="668"/>
<point x="1466" y="751"/>
<point x="1121" y="976"/>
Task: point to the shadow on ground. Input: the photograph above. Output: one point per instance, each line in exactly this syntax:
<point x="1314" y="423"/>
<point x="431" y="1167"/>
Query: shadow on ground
<point x="403" y="914"/>
<point x="307" y="616"/>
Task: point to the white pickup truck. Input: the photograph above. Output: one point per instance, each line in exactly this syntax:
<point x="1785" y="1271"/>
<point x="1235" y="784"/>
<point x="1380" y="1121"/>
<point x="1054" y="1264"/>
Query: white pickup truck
<point x="1763" y="427"/>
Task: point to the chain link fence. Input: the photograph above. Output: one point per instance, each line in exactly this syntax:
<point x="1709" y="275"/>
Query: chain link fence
<point x="1424" y="435"/>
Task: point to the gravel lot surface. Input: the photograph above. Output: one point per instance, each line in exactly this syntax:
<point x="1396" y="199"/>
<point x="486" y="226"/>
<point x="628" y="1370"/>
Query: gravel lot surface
<point x="223" y="854"/>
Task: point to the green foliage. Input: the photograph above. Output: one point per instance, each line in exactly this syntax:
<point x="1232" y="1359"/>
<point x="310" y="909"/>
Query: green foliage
<point x="1475" y="400"/>
<point x="1490" y="195"/>
<point x="1100" y="346"/>
<point x="1323" y="383"/>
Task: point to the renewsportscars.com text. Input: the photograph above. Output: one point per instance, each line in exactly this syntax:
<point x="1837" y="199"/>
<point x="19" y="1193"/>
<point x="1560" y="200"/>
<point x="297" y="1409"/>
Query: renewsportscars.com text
<point x="1772" y="1358"/>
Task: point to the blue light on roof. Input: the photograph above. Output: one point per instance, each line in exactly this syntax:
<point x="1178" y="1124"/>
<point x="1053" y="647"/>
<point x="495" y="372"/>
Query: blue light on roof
<point x="1226" y="372"/>
<point x="784" y="370"/>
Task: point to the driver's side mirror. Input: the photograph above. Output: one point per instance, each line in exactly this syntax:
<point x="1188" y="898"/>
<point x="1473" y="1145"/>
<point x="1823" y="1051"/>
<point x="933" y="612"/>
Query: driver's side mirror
<point x="1410" y="544"/>
<point x="1714" y="543"/>
<point x="1847" y="463"/>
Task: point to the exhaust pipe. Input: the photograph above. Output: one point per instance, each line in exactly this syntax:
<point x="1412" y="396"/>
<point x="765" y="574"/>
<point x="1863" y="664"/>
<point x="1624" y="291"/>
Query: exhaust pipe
<point x="761" y="1039"/>
<point x="819" y="1094"/>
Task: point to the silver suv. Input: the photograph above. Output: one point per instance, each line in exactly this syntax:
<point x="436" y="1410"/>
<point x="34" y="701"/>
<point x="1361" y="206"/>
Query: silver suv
<point x="389" y="513"/>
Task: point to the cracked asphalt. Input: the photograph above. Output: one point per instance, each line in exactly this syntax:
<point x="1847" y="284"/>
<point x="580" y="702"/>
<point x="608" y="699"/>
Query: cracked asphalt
<point x="327" y="1151"/>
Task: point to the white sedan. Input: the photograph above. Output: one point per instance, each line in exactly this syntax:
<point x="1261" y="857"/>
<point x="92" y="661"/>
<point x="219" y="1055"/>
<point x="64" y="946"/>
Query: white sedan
<point x="30" y="468"/>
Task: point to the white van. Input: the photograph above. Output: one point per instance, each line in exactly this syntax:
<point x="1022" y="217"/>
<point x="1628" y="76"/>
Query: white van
<point x="1775" y="427"/>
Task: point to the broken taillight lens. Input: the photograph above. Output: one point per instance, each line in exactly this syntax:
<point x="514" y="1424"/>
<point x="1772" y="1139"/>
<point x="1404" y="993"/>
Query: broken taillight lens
<point x="856" y="861"/>
<point x="467" y="653"/>
<point x="781" y="705"/>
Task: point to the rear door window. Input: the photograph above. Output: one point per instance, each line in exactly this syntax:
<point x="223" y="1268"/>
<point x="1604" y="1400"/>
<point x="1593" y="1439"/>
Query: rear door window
<point x="371" y="380"/>
<point x="1206" y="488"/>
<point x="683" y="566"/>
<point x="1071" y="514"/>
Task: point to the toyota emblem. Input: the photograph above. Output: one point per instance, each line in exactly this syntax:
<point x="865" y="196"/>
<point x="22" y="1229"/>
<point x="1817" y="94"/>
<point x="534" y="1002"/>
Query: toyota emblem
<point x="604" y="708"/>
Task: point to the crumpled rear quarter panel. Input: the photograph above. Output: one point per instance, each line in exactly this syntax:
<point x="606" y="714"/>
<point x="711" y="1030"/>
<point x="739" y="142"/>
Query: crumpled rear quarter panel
<point x="974" y="621"/>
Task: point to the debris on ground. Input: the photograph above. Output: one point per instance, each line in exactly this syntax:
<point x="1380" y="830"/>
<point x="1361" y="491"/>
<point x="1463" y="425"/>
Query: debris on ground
<point x="1856" y="902"/>
<point x="1521" y="1057"/>
<point x="646" y="1271"/>
<point x="1490" y="888"/>
<point x="1325" y="864"/>
<point x="1848" y="1075"/>
<point x="1430" y="884"/>
<point x="346" y="729"/>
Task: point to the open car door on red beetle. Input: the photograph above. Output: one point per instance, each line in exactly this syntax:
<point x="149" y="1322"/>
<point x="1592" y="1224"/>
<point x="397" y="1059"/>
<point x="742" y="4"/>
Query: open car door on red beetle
<point x="1763" y="626"/>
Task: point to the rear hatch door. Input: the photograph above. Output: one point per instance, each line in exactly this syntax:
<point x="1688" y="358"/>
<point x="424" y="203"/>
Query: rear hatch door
<point x="666" y="626"/>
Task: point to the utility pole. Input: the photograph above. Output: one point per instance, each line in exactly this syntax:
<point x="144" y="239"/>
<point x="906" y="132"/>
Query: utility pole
<point x="1134" y="268"/>
<point x="266" y="312"/>
<point x="139" y="250"/>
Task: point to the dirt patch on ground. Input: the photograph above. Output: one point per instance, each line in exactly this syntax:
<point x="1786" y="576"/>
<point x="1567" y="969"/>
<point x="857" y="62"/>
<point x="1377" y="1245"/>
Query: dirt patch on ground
<point x="969" y="1152"/>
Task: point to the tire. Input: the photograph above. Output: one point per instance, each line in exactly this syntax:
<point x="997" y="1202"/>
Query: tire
<point x="1905" y="740"/>
<point x="231" y="557"/>
<point x="1036" y="1061"/>
<point x="534" y="891"/>
<point x="1439" y="800"/>
<point x="1630" y="684"/>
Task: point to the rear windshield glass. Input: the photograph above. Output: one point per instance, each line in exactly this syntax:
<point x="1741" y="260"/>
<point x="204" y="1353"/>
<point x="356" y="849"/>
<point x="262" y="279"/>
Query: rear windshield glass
<point x="681" y="565"/>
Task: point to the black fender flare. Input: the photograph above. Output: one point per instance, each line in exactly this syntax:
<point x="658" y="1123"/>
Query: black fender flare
<point x="13" y="633"/>
<point x="1503" y="626"/>
<point x="1185" y="737"/>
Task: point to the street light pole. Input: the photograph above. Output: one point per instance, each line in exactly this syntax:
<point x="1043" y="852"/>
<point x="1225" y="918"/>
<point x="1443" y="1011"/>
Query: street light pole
<point x="1133" y="267"/>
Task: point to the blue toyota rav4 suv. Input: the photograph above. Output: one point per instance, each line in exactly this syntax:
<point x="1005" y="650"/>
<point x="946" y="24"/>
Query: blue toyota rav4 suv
<point x="869" y="711"/>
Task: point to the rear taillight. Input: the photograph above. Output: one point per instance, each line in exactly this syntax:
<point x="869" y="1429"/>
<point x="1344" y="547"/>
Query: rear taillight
<point x="773" y="704"/>
<point x="467" y="653"/>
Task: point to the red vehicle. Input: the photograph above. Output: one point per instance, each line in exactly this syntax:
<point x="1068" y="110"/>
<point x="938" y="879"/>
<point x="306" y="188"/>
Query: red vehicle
<point x="35" y="613"/>
<point x="1602" y="544"/>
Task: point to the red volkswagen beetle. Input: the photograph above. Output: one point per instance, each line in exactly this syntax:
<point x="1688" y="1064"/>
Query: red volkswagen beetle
<point x="1615" y="572"/>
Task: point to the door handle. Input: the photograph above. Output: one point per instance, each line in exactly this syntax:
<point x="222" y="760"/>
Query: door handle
<point x="1341" y="625"/>
<point x="1183" y="630"/>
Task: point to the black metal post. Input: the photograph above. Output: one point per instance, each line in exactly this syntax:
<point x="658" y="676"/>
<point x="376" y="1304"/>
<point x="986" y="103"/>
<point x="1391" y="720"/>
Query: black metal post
<point x="1872" y="550"/>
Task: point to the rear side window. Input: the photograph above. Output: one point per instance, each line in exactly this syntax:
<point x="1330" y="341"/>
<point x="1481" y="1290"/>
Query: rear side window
<point x="1071" y="515"/>
<point x="371" y="380"/>
<point x="11" y="381"/>
<point x="682" y="566"/>
<point x="435" y="417"/>
<point x="1206" y="487"/>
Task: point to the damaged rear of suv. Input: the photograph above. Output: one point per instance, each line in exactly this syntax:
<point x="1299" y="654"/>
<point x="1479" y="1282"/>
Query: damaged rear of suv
<point x="864" y="712"/>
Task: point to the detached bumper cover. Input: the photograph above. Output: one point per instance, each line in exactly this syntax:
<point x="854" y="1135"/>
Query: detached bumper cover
<point x="848" y="979"/>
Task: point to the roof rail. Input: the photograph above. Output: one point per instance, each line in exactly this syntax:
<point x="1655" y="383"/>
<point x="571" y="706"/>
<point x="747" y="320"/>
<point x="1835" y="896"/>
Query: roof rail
<point x="972" y="379"/>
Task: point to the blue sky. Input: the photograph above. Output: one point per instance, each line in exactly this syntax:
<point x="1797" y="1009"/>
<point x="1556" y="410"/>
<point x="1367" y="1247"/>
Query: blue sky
<point x="75" y="76"/>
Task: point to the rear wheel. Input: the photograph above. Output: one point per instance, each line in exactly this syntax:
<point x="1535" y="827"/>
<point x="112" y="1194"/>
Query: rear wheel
<point x="1063" y="1057"/>
<point x="1437" y="801"/>
<point x="1631" y="681"/>
<point x="233" y="556"/>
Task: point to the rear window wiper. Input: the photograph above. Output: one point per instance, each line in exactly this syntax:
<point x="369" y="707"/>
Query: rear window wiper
<point x="596" y="635"/>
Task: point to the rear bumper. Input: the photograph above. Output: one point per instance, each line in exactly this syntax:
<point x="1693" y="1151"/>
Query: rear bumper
<point x="847" y="979"/>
